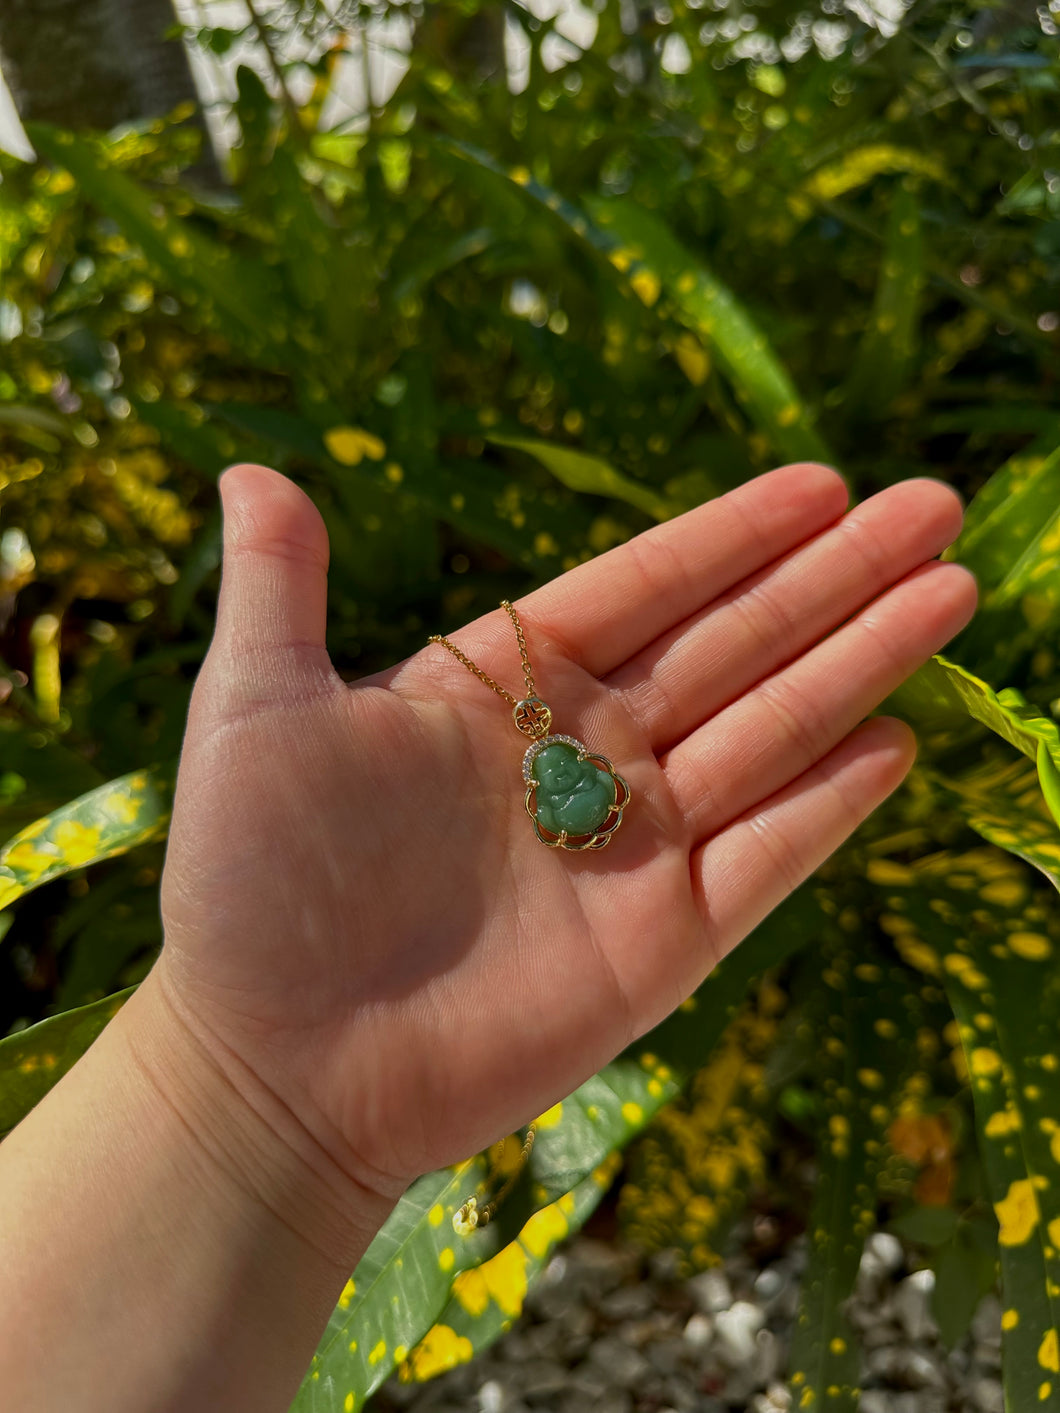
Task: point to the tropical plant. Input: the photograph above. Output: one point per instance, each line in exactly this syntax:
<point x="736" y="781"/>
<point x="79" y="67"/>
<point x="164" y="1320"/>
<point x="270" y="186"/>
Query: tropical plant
<point x="494" y="334"/>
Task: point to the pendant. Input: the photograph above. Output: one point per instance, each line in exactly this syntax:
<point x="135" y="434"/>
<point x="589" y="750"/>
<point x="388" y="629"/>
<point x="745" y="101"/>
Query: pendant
<point x="575" y="797"/>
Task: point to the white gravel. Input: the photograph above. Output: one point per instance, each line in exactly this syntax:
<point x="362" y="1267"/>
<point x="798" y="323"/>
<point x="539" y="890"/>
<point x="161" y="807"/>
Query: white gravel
<point x="610" y="1331"/>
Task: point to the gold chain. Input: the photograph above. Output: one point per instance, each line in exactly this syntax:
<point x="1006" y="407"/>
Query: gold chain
<point x="470" y="1214"/>
<point x="484" y="677"/>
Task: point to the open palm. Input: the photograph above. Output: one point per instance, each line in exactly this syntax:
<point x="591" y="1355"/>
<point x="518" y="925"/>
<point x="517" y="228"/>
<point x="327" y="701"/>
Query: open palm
<point x="356" y="908"/>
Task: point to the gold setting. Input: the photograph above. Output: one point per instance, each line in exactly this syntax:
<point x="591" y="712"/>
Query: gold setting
<point x="532" y="716"/>
<point x="600" y="838"/>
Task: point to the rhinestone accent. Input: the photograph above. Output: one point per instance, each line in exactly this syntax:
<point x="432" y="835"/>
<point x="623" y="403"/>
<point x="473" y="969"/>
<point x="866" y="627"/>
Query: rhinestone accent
<point x="539" y="745"/>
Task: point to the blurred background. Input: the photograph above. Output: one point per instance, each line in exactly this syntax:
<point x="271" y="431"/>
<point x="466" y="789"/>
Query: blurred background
<point x="500" y="285"/>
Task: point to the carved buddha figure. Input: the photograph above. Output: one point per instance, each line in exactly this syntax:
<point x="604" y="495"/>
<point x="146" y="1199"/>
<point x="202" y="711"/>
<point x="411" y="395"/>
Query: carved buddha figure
<point x="572" y="795"/>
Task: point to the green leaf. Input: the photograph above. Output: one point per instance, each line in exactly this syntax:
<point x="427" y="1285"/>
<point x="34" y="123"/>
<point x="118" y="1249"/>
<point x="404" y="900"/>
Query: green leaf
<point x="472" y="496"/>
<point x="200" y="561"/>
<point x="238" y="289"/>
<point x="424" y="1299"/>
<point x="186" y="433"/>
<point x="1002" y="801"/>
<point x="488" y="1299"/>
<point x="1006" y="419"/>
<point x="862" y="1005"/>
<point x="1011" y="542"/>
<point x="1006" y="523"/>
<point x="34" y="1059"/>
<point x="1049" y="779"/>
<point x="49" y="771"/>
<point x="112" y="943"/>
<point x="859" y="167"/>
<point x="996" y="939"/>
<point x="886" y="351"/>
<point x="107" y="821"/>
<point x="653" y="262"/>
<point x="590" y="475"/>
<point x="963" y="1275"/>
<point x="930" y="1226"/>
<point x="399" y="1287"/>
<point x="411" y="276"/>
<point x="943" y="694"/>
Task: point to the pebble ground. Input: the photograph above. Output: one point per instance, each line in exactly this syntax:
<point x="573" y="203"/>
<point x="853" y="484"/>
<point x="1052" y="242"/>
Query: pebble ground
<point x="610" y="1330"/>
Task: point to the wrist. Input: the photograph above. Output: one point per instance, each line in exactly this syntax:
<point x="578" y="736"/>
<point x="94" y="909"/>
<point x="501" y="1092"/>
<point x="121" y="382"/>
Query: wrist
<point x="254" y="1150"/>
<point x="207" y="1237"/>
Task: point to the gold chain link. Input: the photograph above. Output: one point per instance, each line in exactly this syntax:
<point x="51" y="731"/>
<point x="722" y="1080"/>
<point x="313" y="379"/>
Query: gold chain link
<point x="484" y="677"/>
<point x="470" y="1215"/>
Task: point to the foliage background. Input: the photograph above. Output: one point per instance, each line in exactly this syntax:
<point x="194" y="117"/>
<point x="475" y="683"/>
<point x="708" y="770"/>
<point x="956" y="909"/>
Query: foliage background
<point x="494" y="333"/>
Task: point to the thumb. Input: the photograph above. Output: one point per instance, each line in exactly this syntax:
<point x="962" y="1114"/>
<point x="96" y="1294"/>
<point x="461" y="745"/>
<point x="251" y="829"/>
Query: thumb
<point x="273" y="601"/>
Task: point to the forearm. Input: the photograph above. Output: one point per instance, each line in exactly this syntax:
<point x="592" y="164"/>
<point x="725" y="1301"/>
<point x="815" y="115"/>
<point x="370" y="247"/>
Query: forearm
<point x="166" y="1242"/>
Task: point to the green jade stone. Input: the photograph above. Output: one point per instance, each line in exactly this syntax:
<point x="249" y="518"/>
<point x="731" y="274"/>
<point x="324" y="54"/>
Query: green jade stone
<point x="572" y="795"/>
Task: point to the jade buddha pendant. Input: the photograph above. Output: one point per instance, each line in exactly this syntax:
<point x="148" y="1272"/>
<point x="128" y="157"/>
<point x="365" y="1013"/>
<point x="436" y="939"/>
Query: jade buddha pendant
<point x="574" y="796"/>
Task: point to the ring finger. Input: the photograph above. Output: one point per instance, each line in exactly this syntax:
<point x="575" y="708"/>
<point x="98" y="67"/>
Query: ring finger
<point x="708" y="661"/>
<point x="793" y="718"/>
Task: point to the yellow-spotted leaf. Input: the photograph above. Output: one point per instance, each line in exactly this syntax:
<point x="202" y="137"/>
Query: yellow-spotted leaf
<point x="487" y="1300"/>
<point x="858" y="168"/>
<point x="475" y="498"/>
<point x="865" y="1003"/>
<point x="107" y="821"/>
<point x="666" y="277"/>
<point x="1003" y="801"/>
<point x="944" y="696"/>
<point x="1012" y="524"/>
<point x="397" y="1292"/>
<point x="34" y="1059"/>
<point x="1011" y="542"/>
<point x="689" y="1175"/>
<point x="591" y="475"/>
<point x="655" y="263"/>
<point x="996" y="936"/>
<point x="1011" y="801"/>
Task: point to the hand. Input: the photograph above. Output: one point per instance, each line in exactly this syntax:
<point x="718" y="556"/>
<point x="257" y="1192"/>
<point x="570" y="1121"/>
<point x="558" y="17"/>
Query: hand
<point x="357" y="913"/>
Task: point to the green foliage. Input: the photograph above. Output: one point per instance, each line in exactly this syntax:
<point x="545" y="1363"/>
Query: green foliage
<point x="493" y="334"/>
<point x="997" y="956"/>
<point x="106" y="822"/>
<point x="866" y="1002"/>
<point x="34" y="1059"/>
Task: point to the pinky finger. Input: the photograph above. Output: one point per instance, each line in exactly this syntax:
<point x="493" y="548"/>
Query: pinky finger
<point x="744" y="872"/>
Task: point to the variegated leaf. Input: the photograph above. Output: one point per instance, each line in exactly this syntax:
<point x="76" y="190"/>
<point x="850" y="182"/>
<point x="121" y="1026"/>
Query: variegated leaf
<point x="107" y="821"/>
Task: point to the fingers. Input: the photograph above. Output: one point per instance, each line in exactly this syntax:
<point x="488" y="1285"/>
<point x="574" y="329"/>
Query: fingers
<point x="699" y="667"/>
<point x="795" y="717"/>
<point x="745" y="871"/>
<point x="272" y="611"/>
<point x="603" y="612"/>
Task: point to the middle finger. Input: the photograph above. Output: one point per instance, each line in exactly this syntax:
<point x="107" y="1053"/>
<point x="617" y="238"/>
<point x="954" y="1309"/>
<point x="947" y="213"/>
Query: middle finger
<point x="711" y="659"/>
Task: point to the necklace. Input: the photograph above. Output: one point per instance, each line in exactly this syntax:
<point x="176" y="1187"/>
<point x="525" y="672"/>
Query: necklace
<point x="575" y="797"/>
